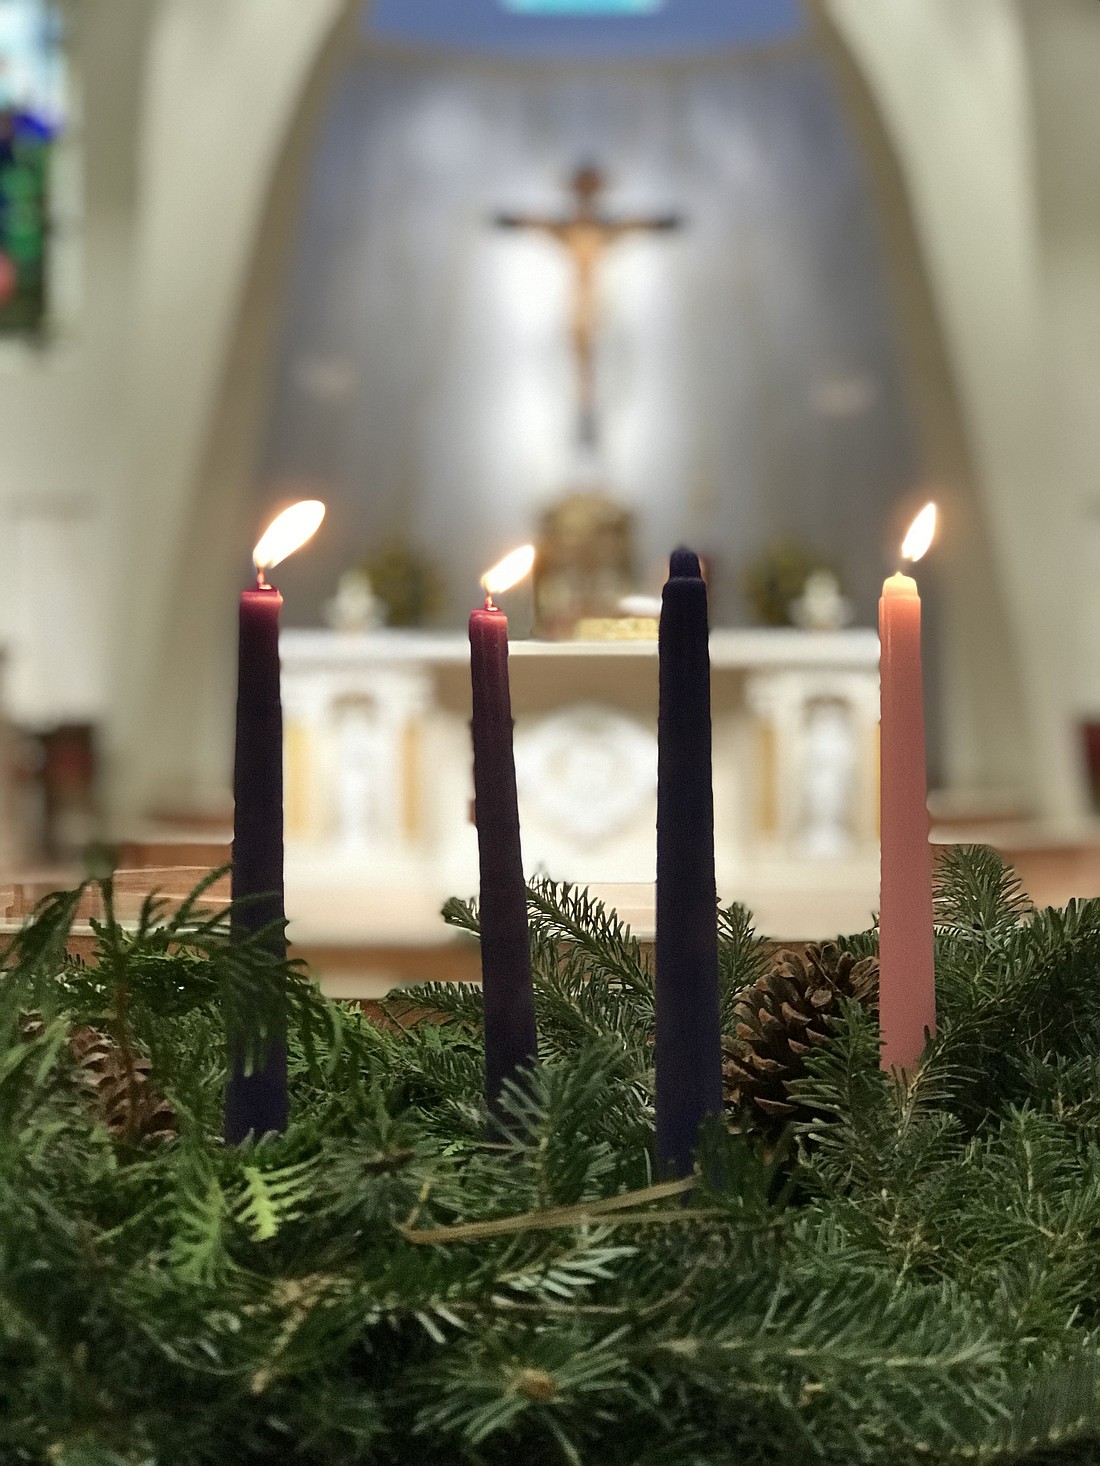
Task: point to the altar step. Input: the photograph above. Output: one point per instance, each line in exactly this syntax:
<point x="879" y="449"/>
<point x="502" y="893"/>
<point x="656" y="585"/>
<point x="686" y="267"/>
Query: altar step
<point x="362" y="941"/>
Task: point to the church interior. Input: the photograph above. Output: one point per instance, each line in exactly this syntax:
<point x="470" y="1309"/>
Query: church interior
<point x="549" y="732"/>
<point x="760" y="278"/>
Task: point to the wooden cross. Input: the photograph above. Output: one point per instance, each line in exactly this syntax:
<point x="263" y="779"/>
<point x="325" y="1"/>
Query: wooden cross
<point x="587" y="235"/>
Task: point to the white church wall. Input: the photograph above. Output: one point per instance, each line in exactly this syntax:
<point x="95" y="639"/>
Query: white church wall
<point x="226" y="87"/>
<point x="130" y="419"/>
<point x="61" y="403"/>
<point x="954" y="90"/>
<point x="111" y="434"/>
<point x="1063" y="46"/>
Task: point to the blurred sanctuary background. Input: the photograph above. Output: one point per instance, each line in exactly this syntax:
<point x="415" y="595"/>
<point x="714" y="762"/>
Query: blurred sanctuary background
<point x="762" y="276"/>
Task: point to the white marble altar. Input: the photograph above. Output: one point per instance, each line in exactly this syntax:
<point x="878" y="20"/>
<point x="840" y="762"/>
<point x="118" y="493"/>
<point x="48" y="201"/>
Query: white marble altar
<point x="378" y="780"/>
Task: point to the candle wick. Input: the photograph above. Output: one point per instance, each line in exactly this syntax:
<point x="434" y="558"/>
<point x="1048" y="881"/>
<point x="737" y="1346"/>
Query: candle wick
<point x="261" y="583"/>
<point x="489" y="602"/>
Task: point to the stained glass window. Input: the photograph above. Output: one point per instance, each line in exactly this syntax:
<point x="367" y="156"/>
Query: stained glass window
<point x="585" y="29"/>
<point x="583" y="7"/>
<point x="32" y="117"/>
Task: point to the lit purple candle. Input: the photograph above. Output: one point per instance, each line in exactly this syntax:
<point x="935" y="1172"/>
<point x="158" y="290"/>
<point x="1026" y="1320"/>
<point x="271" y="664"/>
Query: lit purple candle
<point x="256" y="1094"/>
<point x="511" y="1043"/>
<point x="688" y="1046"/>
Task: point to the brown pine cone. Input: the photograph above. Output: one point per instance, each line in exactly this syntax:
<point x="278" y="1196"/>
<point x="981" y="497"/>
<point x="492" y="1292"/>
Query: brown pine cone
<point x="778" y="1018"/>
<point x="128" y="1104"/>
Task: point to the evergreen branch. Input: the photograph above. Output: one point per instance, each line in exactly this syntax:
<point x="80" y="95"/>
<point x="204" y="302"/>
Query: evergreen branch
<point x="559" y="912"/>
<point x="742" y="958"/>
<point x="190" y="917"/>
<point x="909" y="1276"/>
<point x="458" y="1000"/>
<point x="551" y="1218"/>
<point x="40" y="946"/>
<point x="272" y="1198"/>
<point x="978" y="895"/>
<point x="462" y="914"/>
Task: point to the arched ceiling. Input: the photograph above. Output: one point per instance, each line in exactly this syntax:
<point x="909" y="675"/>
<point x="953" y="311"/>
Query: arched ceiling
<point x="579" y="29"/>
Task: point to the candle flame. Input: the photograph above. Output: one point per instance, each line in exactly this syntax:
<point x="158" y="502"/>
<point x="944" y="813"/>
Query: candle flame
<point x="920" y="534"/>
<point x="287" y="532"/>
<point x="505" y="573"/>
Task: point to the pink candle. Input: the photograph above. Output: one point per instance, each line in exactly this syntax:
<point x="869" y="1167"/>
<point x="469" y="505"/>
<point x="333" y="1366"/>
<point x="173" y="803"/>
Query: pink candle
<point x="907" y="984"/>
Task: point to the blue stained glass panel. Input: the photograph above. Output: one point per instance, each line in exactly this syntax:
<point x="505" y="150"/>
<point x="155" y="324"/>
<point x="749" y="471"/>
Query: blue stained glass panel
<point x="32" y="113"/>
<point x="609" y="30"/>
<point x="583" y="7"/>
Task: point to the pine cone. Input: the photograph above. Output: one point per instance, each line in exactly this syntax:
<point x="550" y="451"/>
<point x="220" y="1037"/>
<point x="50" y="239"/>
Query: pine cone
<point x="130" y="1107"/>
<point x="779" y="1017"/>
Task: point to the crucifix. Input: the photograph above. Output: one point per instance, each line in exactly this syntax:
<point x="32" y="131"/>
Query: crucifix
<point x="587" y="234"/>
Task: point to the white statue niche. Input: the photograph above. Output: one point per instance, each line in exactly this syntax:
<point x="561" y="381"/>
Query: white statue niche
<point x="363" y="787"/>
<point x="828" y="765"/>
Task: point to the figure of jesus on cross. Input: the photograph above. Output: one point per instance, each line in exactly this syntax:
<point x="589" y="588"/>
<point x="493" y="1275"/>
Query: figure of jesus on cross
<point x="587" y="234"/>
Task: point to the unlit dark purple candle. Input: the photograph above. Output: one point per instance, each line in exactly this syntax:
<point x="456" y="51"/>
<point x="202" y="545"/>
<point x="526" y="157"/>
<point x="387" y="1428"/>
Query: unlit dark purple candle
<point x="510" y="1040"/>
<point x="688" y="1046"/>
<point x="256" y="1097"/>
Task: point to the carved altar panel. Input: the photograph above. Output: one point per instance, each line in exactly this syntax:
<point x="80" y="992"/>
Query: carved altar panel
<point x="379" y="778"/>
<point x="587" y="781"/>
